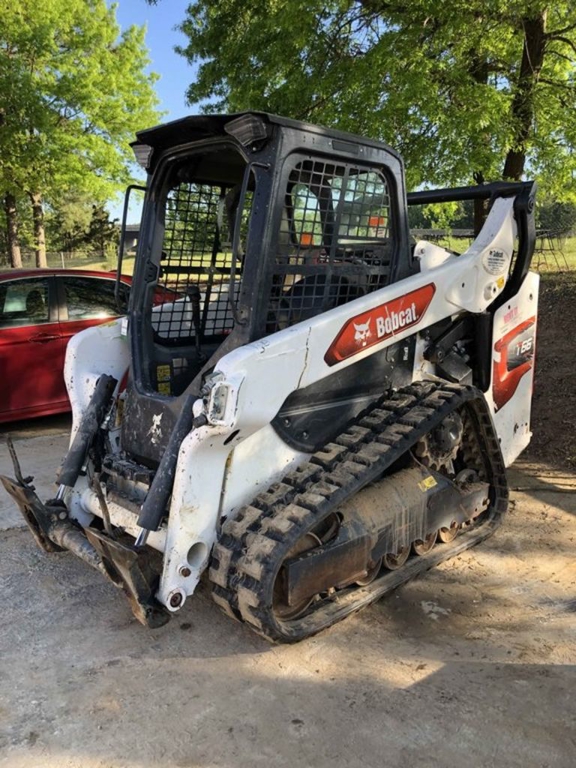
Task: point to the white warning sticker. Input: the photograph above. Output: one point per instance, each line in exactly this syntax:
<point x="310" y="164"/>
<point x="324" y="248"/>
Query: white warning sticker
<point x="495" y="261"/>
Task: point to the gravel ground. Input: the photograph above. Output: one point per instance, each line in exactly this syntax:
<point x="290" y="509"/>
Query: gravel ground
<point x="473" y="664"/>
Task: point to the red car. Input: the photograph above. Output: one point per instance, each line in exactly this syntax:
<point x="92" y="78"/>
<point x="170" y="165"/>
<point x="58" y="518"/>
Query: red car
<point x="39" y="311"/>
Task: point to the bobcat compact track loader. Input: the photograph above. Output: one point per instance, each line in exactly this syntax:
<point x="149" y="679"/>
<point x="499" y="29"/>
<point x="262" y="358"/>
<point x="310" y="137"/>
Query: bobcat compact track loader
<point x="320" y="409"/>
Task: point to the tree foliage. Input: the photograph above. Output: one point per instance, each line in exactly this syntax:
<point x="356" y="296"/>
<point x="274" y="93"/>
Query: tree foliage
<point x="75" y="227"/>
<point x="73" y="90"/>
<point x="470" y="87"/>
<point x="76" y="223"/>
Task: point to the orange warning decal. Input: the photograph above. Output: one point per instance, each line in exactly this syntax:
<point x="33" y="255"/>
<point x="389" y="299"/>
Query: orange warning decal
<point x="380" y="323"/>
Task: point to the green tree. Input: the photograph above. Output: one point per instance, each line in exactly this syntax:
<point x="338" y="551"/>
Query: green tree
<point x="75" y="223"/>
<point x="23" y="234"/>
<point x="73" y="90"/>
<point x="103" y="234"/>
<point x="68" y="221"/>
<point x="479" y="89"/>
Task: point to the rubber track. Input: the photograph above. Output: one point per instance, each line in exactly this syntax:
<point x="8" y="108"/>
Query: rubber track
<point x="251" y="548"/>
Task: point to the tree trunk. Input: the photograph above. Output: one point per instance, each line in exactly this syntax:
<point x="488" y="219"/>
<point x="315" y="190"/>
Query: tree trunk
<point x="479" y="207"/>
<point x="12" y="230"/>
<point x="523" y="102"/>
<point x="39" y="232"/>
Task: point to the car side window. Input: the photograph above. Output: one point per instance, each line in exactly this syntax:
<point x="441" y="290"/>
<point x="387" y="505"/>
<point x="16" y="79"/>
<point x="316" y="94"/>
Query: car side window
<point x="24" y="302"/>
<point x="91" y="298"/>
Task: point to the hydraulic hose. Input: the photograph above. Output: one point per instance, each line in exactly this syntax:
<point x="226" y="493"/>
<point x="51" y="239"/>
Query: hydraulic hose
<point x="91" y="420"/>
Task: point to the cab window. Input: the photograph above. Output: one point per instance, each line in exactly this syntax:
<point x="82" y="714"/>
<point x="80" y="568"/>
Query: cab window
<point x="334" y="241"/>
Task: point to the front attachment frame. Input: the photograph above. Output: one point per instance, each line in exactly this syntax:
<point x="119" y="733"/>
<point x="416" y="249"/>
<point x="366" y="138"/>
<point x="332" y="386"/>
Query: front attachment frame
<point x="130" y="569"/>
<point x="53" y="530"/>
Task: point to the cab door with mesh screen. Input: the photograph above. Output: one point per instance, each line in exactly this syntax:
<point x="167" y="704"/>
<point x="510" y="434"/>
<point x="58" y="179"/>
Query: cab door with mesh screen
<point x="196" y="259"/>
<point x="195" y="312"/>
<point x="335" y="242"/>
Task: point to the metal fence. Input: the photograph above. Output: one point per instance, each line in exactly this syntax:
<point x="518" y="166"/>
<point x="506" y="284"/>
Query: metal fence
<point x="555" y="250"/>
<point x="74" y="260"/>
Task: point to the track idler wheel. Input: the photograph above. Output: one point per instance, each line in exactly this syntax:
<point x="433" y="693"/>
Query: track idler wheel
<point x="447" y="535"/>
<point x="393" y="562"/>
<point x="423" y="546"/>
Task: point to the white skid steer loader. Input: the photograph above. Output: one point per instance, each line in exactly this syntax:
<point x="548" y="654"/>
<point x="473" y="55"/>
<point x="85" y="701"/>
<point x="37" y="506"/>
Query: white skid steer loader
<point x="318" y="409"/>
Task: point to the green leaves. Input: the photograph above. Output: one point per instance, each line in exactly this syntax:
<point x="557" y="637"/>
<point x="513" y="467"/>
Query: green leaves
<point x="438" y="81"/>
<point x="73" y="90"/>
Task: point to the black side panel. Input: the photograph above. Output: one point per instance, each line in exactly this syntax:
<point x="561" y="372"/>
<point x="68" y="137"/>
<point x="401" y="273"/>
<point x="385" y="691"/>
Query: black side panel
<point x="147" y="424"/>
<point x="312" y="416"/>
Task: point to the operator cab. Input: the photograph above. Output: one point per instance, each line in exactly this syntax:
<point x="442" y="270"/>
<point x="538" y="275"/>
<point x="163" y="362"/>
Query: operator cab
<point x="251" y="223"/>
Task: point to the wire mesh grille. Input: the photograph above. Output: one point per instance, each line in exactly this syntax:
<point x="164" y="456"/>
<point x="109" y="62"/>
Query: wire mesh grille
<point x="196" y="263"/>
<point x="334" y="243"/>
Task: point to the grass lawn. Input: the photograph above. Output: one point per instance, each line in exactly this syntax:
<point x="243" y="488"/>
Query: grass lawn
<point x="551" y="255"/>
<point x="561" y="258"/>
<point x="104" y="265"/>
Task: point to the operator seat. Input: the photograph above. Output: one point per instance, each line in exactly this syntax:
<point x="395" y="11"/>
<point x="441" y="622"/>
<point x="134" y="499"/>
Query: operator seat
<point x="308" y="297"/>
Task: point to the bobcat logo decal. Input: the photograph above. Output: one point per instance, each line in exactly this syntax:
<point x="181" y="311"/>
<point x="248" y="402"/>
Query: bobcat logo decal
<point x="380" y="323"/>
<point x="362" y="333"/>
<point x="155" y="431"/>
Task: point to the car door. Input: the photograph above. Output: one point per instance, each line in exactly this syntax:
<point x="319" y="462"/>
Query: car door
<point x="86" y="301"/>
<point x="31" y="381"/>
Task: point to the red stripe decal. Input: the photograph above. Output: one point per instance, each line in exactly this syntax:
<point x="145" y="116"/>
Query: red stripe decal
<point x="516" y="350"/>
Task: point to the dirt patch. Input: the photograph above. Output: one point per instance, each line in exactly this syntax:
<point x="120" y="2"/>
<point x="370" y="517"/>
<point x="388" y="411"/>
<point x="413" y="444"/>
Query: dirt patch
<point x="473" y="664"/>
<point x="554" y="404"/>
